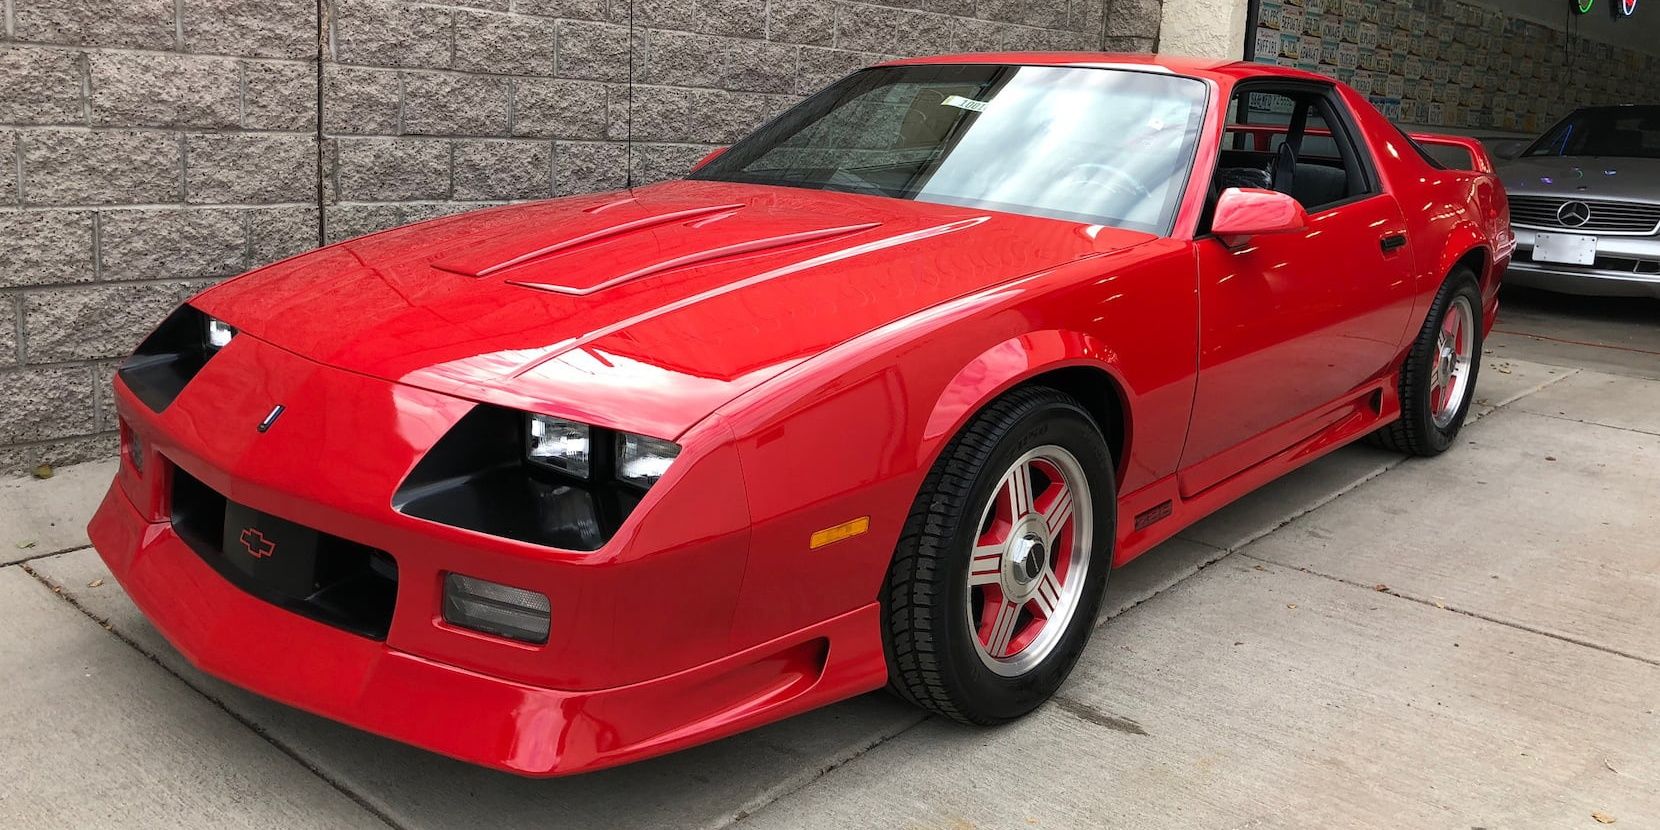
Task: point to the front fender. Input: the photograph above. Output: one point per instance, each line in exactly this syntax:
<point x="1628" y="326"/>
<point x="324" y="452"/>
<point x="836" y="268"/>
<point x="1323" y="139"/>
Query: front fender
<point x="1013" y="362"/>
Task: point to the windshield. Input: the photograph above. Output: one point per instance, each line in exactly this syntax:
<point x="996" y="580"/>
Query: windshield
<point x="1623" y="132"/>
<point x="1102" y="146"/>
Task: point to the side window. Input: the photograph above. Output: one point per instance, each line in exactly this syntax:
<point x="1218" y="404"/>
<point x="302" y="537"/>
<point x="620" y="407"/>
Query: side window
<point x="1292" y="142"/>
<point x="1448" y="156"/>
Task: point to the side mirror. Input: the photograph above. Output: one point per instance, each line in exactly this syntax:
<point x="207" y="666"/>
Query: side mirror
<point x="1244" y="212"/>
<point x="713" y="154"/>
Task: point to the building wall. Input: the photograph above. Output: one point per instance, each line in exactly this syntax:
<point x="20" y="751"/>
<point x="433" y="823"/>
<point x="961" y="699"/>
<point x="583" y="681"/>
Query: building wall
<point x="151" y="147"/>
<point x="1204" y="28"/>
<point x="1454" y="64"/>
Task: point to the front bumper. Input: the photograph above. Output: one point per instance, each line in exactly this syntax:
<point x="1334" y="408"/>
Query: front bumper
<point x="1627" y="266"/>
<point x="643" y="658"/>
<point x="467" y="715"/>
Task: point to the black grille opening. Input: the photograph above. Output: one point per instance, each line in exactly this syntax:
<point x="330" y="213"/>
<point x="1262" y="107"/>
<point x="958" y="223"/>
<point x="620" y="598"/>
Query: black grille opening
<point x="313" y="574"/>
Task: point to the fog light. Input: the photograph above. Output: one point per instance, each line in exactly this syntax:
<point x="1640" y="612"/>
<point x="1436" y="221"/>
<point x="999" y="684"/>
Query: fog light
<point x="496" y="609"/>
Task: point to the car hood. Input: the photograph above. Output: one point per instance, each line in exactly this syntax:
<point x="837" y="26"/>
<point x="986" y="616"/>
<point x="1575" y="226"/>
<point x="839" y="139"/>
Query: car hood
<point x="642" y="310"/>
<point x="1584" y="177"/>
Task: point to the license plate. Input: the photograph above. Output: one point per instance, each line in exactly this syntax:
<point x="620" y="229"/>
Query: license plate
<point x="277" y="554"/>
<point x="1565" y="248"/>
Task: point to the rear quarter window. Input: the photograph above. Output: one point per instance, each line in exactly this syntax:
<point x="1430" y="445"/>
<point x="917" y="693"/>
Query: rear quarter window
<point x="1449" y="156"/>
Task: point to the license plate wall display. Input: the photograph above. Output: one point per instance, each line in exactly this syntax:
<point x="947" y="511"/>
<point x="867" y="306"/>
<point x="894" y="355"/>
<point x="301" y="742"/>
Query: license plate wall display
<point x="1453" y="63"/>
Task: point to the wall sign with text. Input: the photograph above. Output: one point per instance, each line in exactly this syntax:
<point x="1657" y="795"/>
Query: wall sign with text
<point x="1455" y="63"/>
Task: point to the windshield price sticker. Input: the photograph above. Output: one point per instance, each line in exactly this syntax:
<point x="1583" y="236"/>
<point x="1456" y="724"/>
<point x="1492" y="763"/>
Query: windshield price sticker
<point x="962" y="103"/>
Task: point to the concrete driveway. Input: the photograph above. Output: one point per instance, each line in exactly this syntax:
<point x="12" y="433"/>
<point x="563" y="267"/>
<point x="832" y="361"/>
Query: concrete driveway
<point x="1469" y="641"/>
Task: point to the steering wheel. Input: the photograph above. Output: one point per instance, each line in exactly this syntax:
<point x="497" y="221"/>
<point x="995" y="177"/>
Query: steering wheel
<point x="1118" y="177"/>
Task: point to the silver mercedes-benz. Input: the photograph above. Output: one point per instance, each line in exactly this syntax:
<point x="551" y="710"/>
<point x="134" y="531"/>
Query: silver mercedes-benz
<point x="1585" y="204"/>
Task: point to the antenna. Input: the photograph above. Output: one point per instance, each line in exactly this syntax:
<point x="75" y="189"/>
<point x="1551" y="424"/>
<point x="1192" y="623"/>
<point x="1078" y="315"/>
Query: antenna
<point x="628" y="130"/>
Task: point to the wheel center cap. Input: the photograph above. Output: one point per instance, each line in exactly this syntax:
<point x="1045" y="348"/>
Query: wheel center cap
<point x="1027" y="558"/>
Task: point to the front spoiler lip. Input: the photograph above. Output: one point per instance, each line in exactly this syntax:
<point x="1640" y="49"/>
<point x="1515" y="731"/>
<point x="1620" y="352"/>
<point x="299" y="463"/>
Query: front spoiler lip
<point x="466" y="715"/>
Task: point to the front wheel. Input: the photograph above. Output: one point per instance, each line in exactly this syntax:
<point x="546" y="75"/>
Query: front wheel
<point x="1438" y="381"/>
<point x="1000" y="569"/>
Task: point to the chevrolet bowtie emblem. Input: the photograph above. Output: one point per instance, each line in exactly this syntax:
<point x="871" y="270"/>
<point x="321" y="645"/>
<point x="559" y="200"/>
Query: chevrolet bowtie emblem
<point x="258" y="546"/>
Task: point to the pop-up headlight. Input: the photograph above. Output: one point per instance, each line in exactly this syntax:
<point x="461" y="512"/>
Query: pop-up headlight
<point x="641" y="461"/>
<point x="535" y="478"/>
<point x="167" y="360"/>
<point x="558" y="443"/>
<point x="219" y="334"/>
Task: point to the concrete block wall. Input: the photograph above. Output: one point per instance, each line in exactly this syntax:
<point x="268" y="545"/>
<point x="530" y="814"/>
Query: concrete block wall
<point x="151" y="147"/>
<point x="147" y="148"/>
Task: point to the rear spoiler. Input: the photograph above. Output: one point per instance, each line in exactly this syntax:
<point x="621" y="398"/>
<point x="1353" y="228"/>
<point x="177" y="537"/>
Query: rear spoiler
<point x="1458" y="152"/>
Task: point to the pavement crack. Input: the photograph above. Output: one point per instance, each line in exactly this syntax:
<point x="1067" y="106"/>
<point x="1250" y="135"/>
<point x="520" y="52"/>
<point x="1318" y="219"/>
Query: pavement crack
<point x="44" y="555"/>
<point x="1221" y="554"/>
<point x="1442" y="606"/>
<point x="790" y="787"/>
<point x="1225" y="552"/>
<point x="1637" y="430"/>
<point x="269" y="738"/>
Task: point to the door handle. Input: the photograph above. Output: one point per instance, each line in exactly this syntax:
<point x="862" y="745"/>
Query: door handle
<point x="1392" y="242"/>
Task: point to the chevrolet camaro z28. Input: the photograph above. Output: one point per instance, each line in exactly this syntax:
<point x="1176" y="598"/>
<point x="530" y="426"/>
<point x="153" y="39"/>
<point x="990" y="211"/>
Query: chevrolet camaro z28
<point x="878" y="396"/>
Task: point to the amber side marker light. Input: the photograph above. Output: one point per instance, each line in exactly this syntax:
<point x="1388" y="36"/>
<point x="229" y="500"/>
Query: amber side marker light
<point x="845" y="530"/>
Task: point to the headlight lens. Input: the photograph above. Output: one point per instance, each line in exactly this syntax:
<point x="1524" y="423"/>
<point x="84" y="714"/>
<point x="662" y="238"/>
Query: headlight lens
<point x="641" y="461"/>
<point x="219" y="334"/>
<point x="558" y="443"/>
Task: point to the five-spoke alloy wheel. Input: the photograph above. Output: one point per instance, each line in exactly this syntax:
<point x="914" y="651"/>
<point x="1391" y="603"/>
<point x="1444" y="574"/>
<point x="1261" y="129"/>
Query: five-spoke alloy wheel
<point x="1454" y="346"/>
<point x="1030" y="561"/>
<point x="998" y="577"/>
<point x="1438" y="378"/>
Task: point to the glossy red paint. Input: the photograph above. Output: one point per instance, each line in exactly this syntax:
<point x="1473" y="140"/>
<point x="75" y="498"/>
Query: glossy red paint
<point x="812" y="353"/>
<point x="1244" y="212"/>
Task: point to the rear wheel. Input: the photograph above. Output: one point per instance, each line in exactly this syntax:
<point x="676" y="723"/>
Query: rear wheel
<point x="998" y="577"/>
<point x="1439" y="379"/>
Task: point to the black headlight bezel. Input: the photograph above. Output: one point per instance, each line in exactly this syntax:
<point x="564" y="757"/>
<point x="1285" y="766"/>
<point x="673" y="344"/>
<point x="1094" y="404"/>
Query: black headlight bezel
<point x="165" y="363"/>
<point x="479" y="477"/>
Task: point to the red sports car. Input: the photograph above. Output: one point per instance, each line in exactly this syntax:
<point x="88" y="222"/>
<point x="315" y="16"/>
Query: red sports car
<point x="876" y="397"/>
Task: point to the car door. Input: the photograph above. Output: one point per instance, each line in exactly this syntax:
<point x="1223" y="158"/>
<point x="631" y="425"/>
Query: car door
<point x="1295" y="328"/>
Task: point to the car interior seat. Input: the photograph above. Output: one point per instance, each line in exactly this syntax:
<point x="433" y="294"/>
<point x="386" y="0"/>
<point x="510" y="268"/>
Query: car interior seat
<point x="1285" y="170"/>
<point x="1256" y="177"/>
<point x="1319" y="184"/>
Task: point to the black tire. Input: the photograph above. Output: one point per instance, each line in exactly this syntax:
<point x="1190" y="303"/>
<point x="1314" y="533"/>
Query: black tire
<point x="1416" y="433"/>
<point x="932" y="662"/>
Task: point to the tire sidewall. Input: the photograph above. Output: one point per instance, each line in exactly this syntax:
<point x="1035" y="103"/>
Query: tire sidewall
<point x="1462" y="283"/>
<point x="999" y="697"/>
